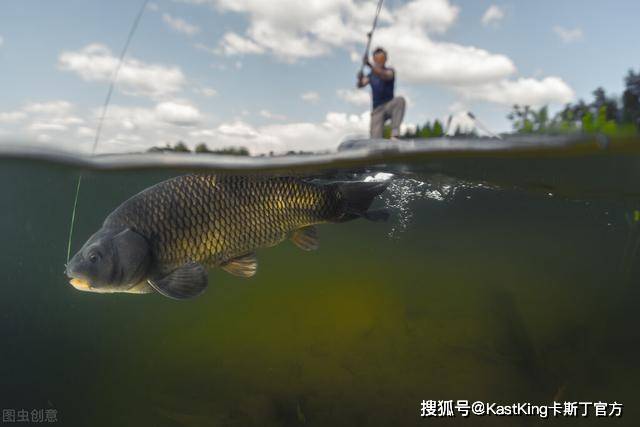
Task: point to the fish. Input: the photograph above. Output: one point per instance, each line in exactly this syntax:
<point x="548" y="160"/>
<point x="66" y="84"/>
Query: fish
<point x="167" y="237"/>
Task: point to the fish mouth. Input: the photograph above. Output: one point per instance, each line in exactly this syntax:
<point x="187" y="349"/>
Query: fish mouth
<point x="81" y="284"/>
<point x="85" y="286"/>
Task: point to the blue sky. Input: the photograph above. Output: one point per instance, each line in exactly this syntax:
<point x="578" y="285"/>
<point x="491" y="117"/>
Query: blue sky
<point x="279" y="74"/>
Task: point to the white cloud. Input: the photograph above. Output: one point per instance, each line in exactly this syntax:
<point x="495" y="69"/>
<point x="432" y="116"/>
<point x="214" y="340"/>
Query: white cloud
<point x="206" y="91"/>
<point x="51" y="116"/>
<point x="315" y="28"/>
<point x="43" y="138"/>
<point x="311" y="97"/>
<point x="313" y="136"/>
<point x="203" y="47"/>
<point x="492" y="15"/>
<point x="129" y="118"/>
<point x="139" y="128"/>
<point x="194" y="1"/>
<point x="332" y="30"/>
<point x="568" y="35"/>
<point x="523" y="91"/>
<point x="291" y="29"/>
<point x="96" y="63"/>
<point x="305" y="29"/>
<point x="202" y="133"/>
<point x="238" y="130"/>
<point x="65" y="120"/>
<point x="267" y="114"/>
<point x="158" y="118"/>
<point x="85" y="132"/>
<point x="44" y="126"/>
<point x="125" y="128"/>
<point x="49" y="107"/>
<point x="178" y="113"/>
<point x="40" y="118"/>
<point x="457" y="107"/>
<point x="430" y="15"/>
<point x="357" y="97"/>
<point x="281" y="138"/>
<point x="418" y="59"/>
<point x="180" y="25"/>
<point x="1" y="41"/>
<point x="12" y="116"/>
<point x="130" y="129"/>
<point x="233" y="44"/>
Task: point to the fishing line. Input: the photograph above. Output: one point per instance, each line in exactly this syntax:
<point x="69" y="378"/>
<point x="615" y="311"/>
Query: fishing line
<point x="73" y="216"/>
<point x="105" y="107"/>
<point x="482" y="126"/>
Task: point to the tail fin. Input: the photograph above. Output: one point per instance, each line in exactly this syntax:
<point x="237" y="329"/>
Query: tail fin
<point x="357" y="197"/>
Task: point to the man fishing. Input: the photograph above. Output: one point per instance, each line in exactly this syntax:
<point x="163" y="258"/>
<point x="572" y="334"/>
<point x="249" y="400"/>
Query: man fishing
<point x="385" y="104"/>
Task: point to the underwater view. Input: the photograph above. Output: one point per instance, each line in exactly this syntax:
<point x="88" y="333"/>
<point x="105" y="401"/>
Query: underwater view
<point x="476" y="288"/>
<point x="319" y="213"/>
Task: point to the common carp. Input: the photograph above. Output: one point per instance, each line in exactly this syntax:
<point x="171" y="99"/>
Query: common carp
<point x="165" y="237"/>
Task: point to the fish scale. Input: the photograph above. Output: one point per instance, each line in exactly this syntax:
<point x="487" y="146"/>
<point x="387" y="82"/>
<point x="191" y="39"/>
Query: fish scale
<point x="211" y="219"/>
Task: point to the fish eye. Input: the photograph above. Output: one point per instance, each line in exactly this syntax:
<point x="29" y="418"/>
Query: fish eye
<point x="93" y="257"/>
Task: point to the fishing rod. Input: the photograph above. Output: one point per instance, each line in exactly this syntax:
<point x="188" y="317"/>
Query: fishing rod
<point x="105" y="107"/>
<point x="369" y="35"/>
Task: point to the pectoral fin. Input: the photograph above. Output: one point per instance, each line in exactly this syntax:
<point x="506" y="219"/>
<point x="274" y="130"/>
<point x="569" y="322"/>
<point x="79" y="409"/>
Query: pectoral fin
<point x="244" y="266"/>
<point x="185" y="282"/>
<point x="306" y="238"/>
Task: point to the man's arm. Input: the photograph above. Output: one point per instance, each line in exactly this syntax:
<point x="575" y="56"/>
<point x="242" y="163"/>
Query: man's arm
<point x="362" y="80"/>
<point x="384" y="73"/>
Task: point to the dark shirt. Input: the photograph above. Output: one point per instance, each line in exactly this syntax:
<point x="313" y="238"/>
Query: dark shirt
<point x="381" y="90"/>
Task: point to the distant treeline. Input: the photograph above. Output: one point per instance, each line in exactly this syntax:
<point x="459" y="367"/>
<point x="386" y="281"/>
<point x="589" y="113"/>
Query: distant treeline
<point x="181" y="147"/>
<point x="436" y="130"/>
<point x="606" y="114"/>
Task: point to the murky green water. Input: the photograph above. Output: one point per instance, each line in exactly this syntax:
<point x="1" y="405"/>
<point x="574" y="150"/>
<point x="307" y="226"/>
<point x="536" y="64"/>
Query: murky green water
<point x="485" y="294"/>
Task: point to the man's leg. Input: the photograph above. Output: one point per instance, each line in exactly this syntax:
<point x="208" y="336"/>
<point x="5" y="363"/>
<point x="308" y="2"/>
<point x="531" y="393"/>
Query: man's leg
<point x="377" y="122"/>
<point x="396" y="111"/>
